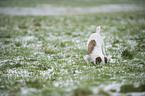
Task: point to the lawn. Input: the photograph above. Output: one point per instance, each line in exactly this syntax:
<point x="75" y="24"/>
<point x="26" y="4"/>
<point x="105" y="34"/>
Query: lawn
<point x="66" y="3"/>
<point x="43" y="55"/>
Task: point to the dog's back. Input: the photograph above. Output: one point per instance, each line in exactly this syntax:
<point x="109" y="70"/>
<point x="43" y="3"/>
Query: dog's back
<point x="97" y="37"/>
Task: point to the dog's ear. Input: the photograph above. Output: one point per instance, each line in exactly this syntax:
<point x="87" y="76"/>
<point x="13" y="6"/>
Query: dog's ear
<point x="91" y="46"/>
<point x="105" y="58"/>
<point x="98" y="29"/>
<point x="98" y="60"/>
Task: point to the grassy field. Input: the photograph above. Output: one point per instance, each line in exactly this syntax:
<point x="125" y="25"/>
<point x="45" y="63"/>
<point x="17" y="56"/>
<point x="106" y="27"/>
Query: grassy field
<point x="67" y="3"/>
<point x="43" y="55"/>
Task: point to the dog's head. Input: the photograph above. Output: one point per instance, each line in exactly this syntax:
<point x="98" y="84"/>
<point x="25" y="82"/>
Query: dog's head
<point x="99" y="60"/>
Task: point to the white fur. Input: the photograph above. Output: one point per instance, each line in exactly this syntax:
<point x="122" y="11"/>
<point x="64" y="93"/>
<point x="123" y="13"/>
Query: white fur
<point x="99" y="50"/>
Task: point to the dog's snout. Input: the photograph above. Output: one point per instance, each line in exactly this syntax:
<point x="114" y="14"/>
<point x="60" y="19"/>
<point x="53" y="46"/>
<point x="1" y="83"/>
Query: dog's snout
<point x="98" y="60"/>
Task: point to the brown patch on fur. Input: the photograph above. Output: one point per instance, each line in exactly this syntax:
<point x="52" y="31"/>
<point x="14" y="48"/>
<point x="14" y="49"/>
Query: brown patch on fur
<point x="91" y="46"/>
<point x="98" y="60"/>
<point x="105" y="58"/>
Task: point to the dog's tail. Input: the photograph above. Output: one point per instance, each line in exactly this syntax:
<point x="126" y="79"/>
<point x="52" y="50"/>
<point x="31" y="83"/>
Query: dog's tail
<point x="98" y="29"/>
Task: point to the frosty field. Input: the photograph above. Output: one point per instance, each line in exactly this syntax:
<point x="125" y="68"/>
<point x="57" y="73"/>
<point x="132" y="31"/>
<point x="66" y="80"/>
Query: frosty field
<point x="43" y="55"/>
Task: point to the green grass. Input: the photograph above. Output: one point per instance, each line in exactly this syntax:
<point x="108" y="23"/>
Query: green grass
<point x="44" y="54"/>
<point x="66" y="3"/>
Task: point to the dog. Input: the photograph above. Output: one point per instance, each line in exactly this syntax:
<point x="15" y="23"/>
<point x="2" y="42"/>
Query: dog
<point x="95" y="49"/>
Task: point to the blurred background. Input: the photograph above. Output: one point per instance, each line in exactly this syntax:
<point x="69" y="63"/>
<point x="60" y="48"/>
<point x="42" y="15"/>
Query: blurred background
<point x="67" y="7"/>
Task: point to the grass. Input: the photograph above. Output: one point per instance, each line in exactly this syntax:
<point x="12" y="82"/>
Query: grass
<point x="131" y="88"/>
<point x="66" y="3"/>
<point x="43" y="55"/>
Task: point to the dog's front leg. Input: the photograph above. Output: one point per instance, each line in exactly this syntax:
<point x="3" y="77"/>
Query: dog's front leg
<point x="87" y="59"/>
<point x="104" y="53"/>
<point x="103" y="50"/>
<point x="105" y="58"/>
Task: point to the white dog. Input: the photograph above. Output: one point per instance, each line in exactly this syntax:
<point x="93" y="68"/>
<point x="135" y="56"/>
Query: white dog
<point x="95" y="49"/>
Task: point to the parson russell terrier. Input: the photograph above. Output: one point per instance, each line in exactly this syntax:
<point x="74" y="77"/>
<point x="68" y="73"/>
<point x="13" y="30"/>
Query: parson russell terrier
<point x="95" y="49"/>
